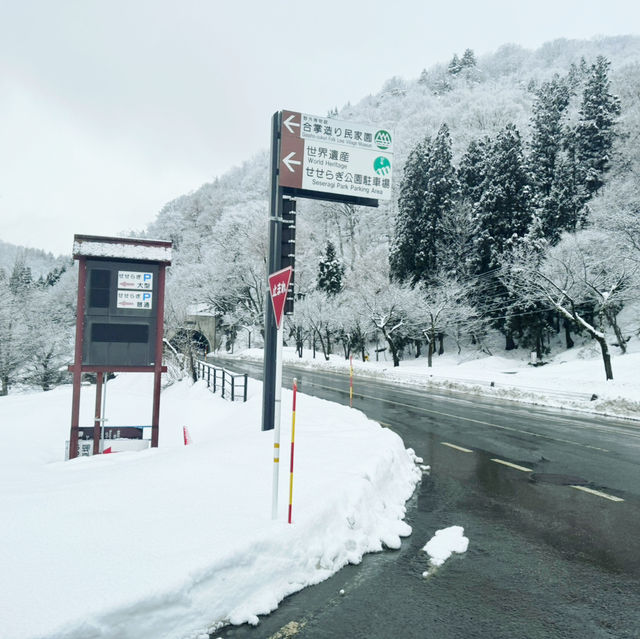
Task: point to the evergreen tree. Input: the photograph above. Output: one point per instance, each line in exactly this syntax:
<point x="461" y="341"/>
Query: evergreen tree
<point x="502" y="215"/>
<point x="428" y="191"/>
<point x="455" y="66"/>
<point x="468" y="59"/>
<point x="595" y="132"/>
<point x="577" y="74"/>
<point x="547" y="136"/>
<point x="20" y="279"/>
<point x="551" y="162"/>
<point x="402" y="257"/>
<point x="473" y="170"/>
<point x="563" y="209"/>
<point x="330" y="271"/>
<point x="443" y="190"/>
<point x="504" y="207"/>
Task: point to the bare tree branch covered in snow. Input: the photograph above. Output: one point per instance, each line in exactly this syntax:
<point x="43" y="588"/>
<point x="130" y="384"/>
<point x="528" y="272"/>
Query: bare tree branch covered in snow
<point x="583" y="277"/>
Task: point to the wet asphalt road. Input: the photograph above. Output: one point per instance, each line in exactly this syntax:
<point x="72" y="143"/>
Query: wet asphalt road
<point x="545" y="559"/>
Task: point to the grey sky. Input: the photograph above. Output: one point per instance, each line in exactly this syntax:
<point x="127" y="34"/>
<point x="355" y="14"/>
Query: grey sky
<point x="110" y="109"/>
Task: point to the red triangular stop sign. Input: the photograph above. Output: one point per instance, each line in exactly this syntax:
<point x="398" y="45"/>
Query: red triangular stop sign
<point x="278" y="288"/>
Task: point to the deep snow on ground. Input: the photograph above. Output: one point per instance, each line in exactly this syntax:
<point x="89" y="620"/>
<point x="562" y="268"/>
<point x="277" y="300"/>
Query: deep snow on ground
<point x="570" y="379"/>
<point x="175" y="541"/>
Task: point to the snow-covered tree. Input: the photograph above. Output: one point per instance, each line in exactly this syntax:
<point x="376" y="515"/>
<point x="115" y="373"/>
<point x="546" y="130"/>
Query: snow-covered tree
<point x="442" y="307"/>
<point x="391" y="308"/>
<point x="473" y="169"/>
<point x="15" y="342"/>
<point x="582" y="282"/>
<point x="504" y="208"/>
<point x="547" y="133"/>
<point x="428" y="193"/>
<point x="330" y="271"/>
<point x="468" y="59"/>
<point x="50" y="321"/>
<point x="455" y="66"/>
<point x="595" y="132"/>
<point x="315" y="312"/>
<point x="406" y="242"/>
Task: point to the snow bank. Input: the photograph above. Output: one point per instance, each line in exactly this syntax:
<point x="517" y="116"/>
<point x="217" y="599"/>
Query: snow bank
<point x="571" y="379"/>
<point x="173" y="542"/>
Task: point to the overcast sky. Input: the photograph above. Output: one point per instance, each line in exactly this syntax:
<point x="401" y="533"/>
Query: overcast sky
<point x="109" y="109"/>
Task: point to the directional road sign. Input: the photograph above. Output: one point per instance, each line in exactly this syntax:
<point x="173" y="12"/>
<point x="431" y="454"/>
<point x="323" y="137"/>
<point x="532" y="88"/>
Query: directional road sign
<point x="332" y="156"/>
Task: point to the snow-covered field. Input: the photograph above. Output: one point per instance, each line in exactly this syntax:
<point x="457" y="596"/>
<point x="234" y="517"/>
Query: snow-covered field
<point x="571" y="379"/>
<point x="171" y="542"/>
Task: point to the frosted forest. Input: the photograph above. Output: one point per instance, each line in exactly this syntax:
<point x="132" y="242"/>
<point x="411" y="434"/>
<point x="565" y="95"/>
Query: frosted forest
<point x="515" y="225"/>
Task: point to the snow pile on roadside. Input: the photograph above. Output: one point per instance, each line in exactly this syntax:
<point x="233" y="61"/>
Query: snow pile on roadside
<point x="444" y="543"/>
<point x="173" y="542"/>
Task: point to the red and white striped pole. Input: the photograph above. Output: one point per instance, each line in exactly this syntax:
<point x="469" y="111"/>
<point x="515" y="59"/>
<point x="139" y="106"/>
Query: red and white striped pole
<point x="350" y="381"/>
<point x="293" y="439"/>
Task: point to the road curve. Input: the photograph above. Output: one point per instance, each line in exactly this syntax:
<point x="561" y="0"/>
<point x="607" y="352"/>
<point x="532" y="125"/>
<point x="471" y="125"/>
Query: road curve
<point x="549" y="499"/>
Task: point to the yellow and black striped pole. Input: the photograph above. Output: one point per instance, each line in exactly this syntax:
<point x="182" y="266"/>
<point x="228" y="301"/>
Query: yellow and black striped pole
<point x="293" y="439"/>
<point x="350" y="381"/>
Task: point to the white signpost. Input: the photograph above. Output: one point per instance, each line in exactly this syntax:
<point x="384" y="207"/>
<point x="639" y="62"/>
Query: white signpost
<point x="331" y="156"/>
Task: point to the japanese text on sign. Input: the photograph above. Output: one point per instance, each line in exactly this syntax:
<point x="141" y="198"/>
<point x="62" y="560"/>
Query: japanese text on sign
<point x="135" y="280"/>
<point x="330" y="156"/>
<point x="365" y="136"/>
<point x="279" y="289"/>
<point x="135" y="300"/>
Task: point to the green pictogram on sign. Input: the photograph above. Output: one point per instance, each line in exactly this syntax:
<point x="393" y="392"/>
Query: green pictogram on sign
<point x="382" y="166"/>
<point x="382" y="139"/>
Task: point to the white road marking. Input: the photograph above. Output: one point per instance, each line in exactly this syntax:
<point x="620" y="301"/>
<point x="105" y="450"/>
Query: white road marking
<point x="597" y="492"/>
<point x="506" y="463"/>
<point x="464" y="450"/>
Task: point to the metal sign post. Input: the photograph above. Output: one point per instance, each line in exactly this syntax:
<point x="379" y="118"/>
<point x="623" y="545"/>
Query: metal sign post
<point x="324" y="159"/>
<point x="275" y="217"/>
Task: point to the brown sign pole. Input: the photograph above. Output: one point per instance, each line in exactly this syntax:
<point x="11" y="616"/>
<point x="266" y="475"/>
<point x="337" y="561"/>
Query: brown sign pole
<point x="77" y="365"/>
<point x="157" y="368"/>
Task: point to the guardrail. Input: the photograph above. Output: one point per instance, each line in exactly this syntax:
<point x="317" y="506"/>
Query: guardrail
<point x="232" y="385"/>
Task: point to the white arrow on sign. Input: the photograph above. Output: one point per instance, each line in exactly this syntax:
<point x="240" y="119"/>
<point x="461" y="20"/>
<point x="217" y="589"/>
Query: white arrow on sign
<point x="288" y="161"/>
<point x="289" y="123"/>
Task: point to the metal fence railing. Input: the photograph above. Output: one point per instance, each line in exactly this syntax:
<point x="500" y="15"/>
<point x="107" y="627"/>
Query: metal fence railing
<point x="233" y="386"/>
